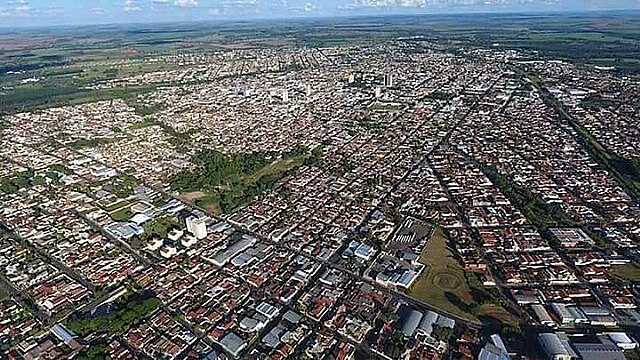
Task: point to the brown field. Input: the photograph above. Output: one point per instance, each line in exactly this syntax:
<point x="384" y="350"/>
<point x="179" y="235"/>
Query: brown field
<point x="192" y="196"/>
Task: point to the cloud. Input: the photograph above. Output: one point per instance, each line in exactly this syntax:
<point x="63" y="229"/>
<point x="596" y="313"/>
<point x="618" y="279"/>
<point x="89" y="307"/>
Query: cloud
<point x="131" y="6"/>
<point x="453" y="4"/>
<point x="186" y="3"/>
<point x="20" y="7"/>
<point x="54" y="11"/>
<point x="98" y="11"/>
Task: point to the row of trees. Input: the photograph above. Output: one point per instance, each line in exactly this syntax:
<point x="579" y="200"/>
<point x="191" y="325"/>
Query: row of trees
<point x="535" y="209"/>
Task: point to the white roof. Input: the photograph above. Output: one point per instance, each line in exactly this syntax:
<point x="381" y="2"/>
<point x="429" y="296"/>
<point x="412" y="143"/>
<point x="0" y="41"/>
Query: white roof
<point x="140" y="219"/>
<point x="620" y="338"/>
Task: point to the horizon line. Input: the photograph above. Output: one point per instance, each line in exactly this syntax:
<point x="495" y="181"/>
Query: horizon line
<point x="19" y="28"/>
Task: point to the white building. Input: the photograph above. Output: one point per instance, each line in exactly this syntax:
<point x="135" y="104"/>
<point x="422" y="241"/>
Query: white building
<point x="197" y="227"/>
<point x="378" y="92"/>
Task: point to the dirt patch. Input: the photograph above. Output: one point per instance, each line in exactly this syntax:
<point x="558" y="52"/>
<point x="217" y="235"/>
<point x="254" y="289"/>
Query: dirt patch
<point x="191" y="196"/>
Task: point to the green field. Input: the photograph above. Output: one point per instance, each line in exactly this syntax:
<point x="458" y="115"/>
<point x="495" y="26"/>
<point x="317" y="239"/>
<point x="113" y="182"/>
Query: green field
<point x="123" y="214"/>
<point x="276" y="167"/>
<point x="114" y="206"/>
<point x="212" y="200"/>
<point x="627" y="271"/>
<point x="443" y="283"/>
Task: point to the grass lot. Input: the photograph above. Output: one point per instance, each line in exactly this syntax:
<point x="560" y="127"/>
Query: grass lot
<point x="159" y="226"/>
<point x="627" y="271"/>
<point x="143" y="124"/>
<point x="496" y="313"/>
<point x="112" y="206"/>
<point x="276" y="167"/>
<point x="84" y="143"/>
<point x="124" y="214"/>
<point x="210" y="202"/>
<point x="442" y="283"/>
<point x="3" y="294"/>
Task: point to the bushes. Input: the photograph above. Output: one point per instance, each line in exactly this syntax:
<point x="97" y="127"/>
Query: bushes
<point x="14" y="183"/>
<point x="93" y="352"/>
<point x="442" y="333"/>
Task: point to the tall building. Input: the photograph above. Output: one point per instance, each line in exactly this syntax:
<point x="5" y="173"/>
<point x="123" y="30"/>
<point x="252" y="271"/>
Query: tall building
<point x="388" y="80"/>
<point x="197" y="227"/>
<point x="285" y="96"/>
<point x="352" y="78"/>
<point x="378" y="92"/>
<point x="308" y="90"/>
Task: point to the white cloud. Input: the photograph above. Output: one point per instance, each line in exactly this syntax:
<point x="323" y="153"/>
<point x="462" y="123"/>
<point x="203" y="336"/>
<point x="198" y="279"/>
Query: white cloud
<point x="21" y="7"/>
<point x="186" y="3"/>
<point x="130" y="6"/>
<point x="98" y="11"/>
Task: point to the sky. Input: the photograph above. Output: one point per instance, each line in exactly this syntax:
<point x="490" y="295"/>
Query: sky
<point x="17" y="13"/>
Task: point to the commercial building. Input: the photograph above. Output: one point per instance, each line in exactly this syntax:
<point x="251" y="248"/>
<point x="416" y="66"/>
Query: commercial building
<point x="556" y="346"/>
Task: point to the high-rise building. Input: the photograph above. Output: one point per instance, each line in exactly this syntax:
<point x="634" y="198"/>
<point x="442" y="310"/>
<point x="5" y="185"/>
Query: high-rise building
<point x="285" y="96"/>
<point x="197" y="227"/>
<point x="308" y="90"/>
<point x="352" y="78"/>
<point x="378" y="92"/>
<point x="388" y="80"/>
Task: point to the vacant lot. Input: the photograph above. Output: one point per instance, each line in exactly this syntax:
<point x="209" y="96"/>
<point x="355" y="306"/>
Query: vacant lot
<point x="192" y="196"/>
<point x="496" y="313"/>
<point x="442" y="283"/>
<point x="276" y="167"/>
